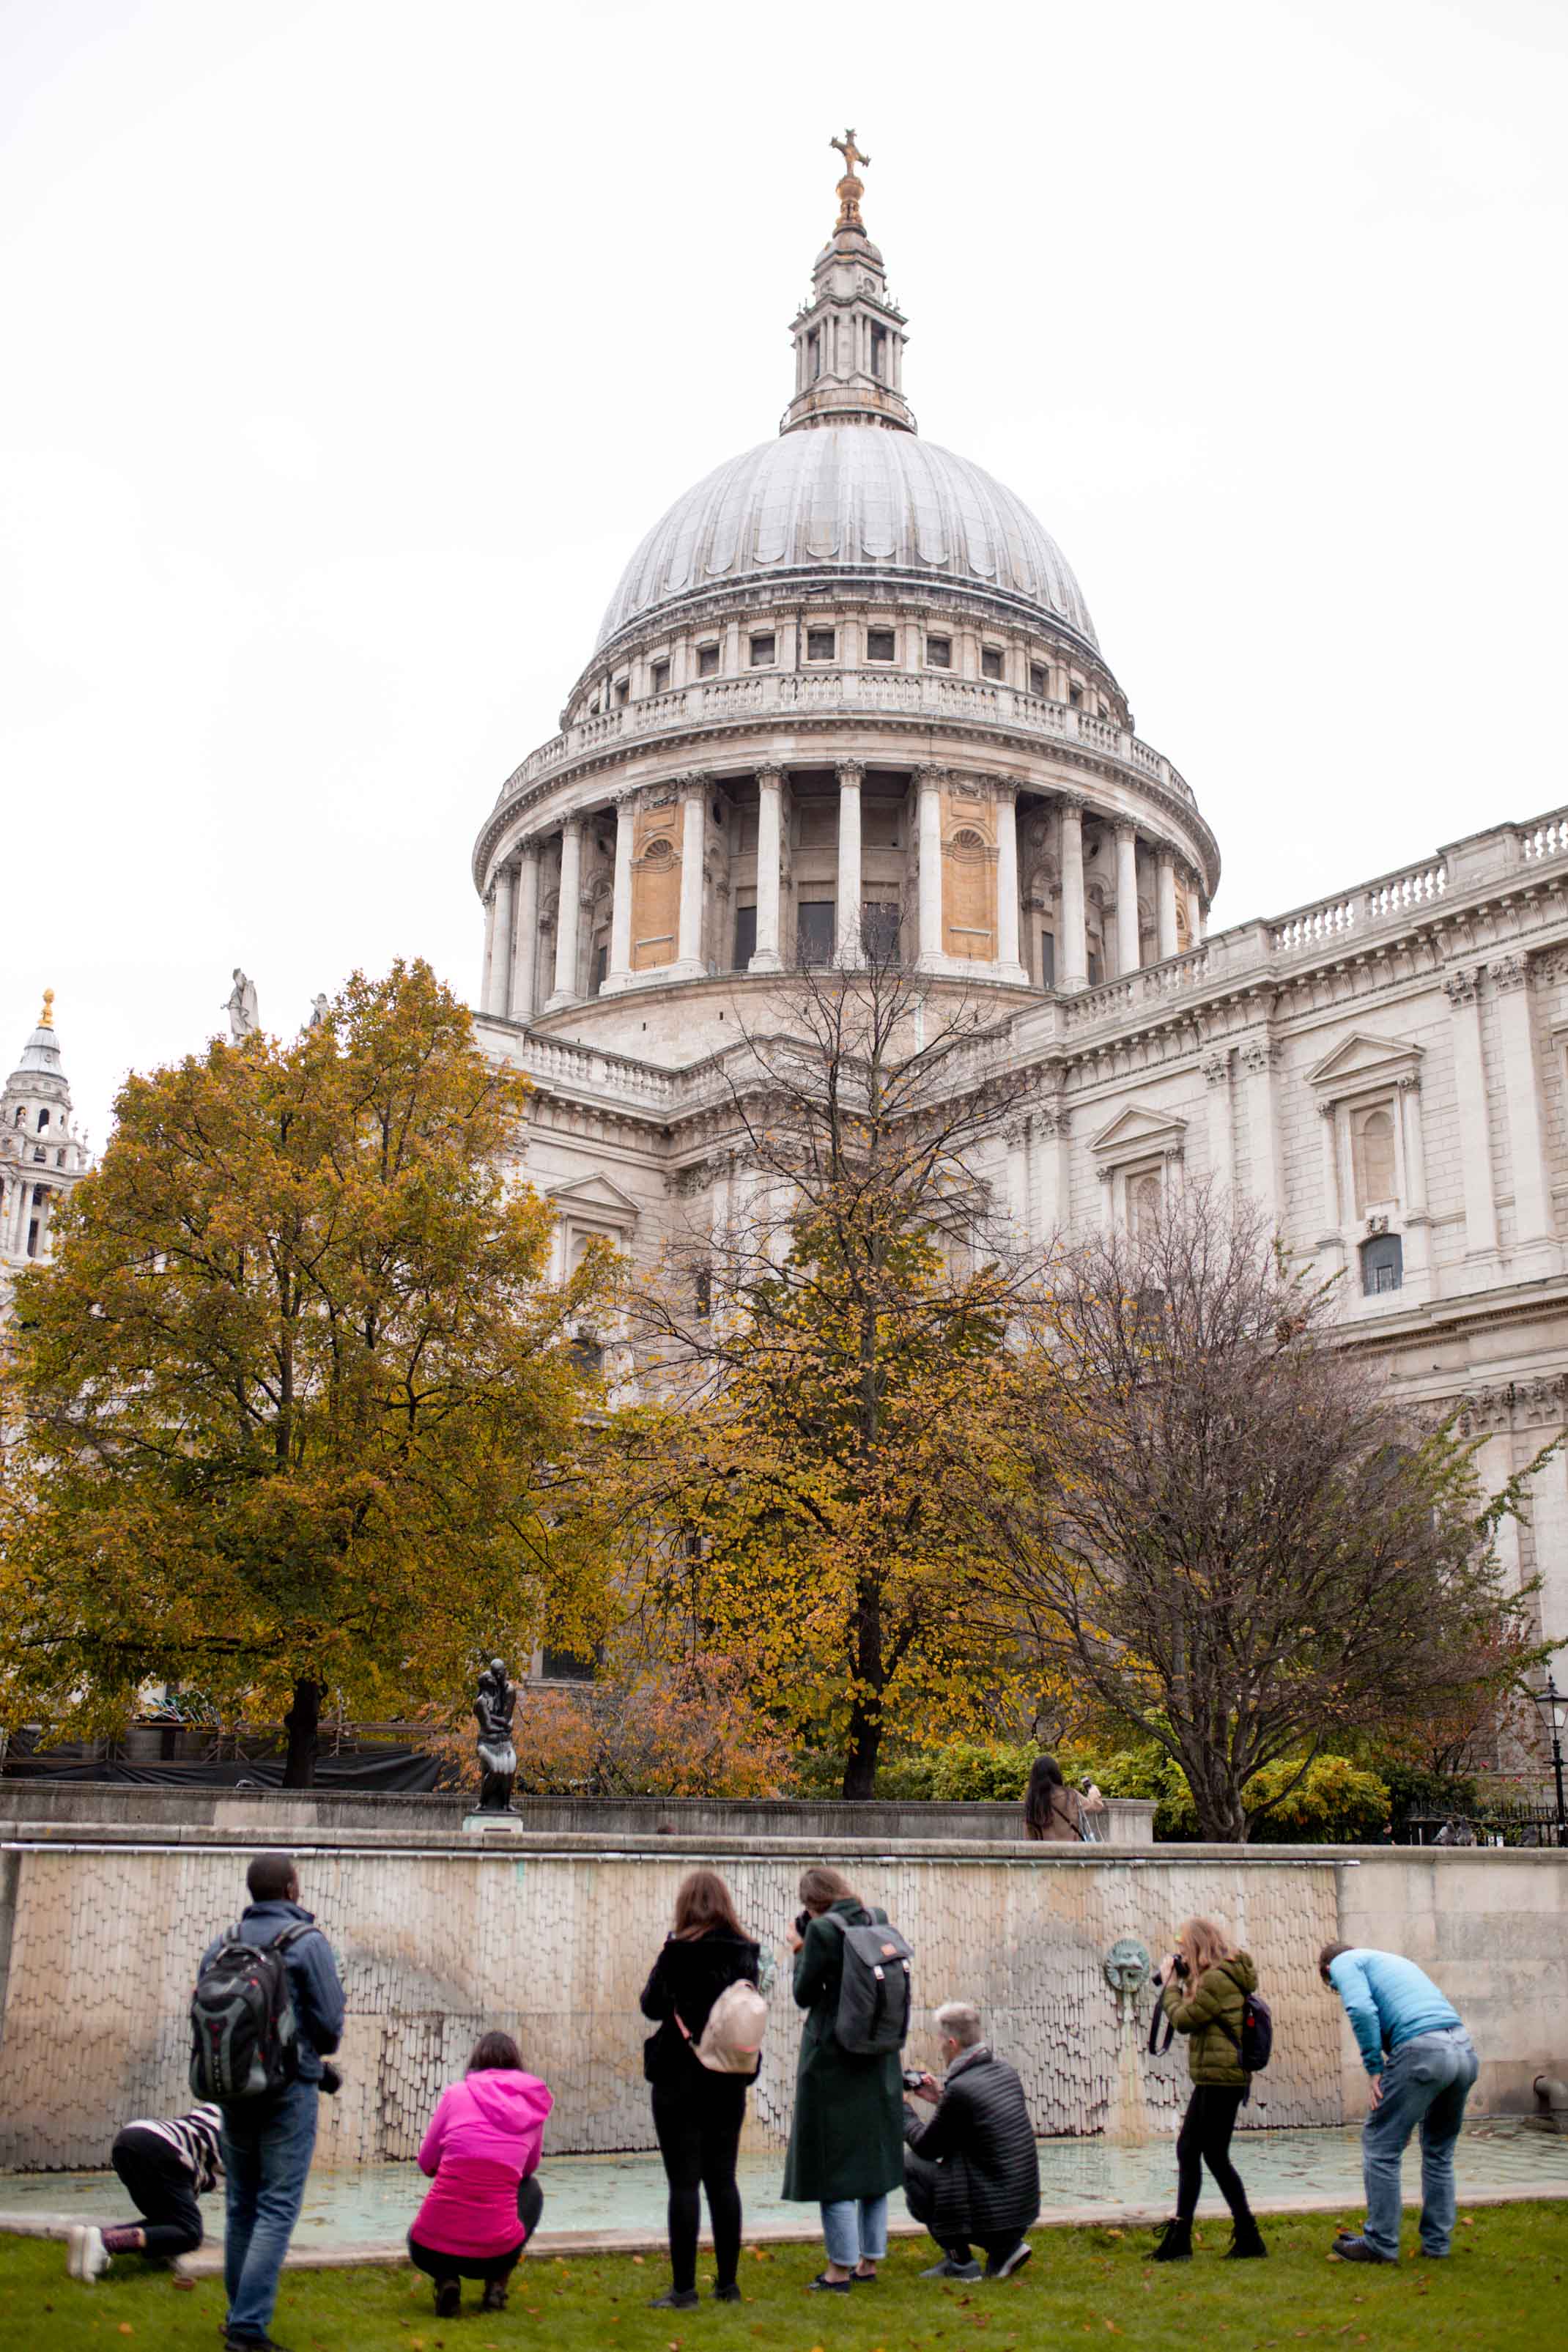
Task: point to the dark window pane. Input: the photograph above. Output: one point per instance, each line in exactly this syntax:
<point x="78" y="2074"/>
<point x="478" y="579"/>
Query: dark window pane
<point x="707" y="661"/>
<point x="1048" y="959"/>
<point x="1096" y="970"/>
<point x="601" y="965"/>
<point x="660" y="677"/>
<point x="564" y="1667"/>
<point x="762" y="651"/>
<point x="1382" y="1263"/>
<point x="1039" y="678"/>
<point x="879" y="929"/>
<point x="990" y="661"/>
<point x="745" y="936"/>
<point x="814" y="931"/>
<point x="879" y="644"/>
<point x="819" y="644"/>
<point x="939" y="653"/>
<point x="1075" y="696"/>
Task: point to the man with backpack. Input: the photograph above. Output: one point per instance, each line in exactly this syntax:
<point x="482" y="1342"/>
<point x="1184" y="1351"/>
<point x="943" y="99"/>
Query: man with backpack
<point x="1423" y="2065"/>
<point x="266" y="2012"/>
<point x="973" y="2172"/>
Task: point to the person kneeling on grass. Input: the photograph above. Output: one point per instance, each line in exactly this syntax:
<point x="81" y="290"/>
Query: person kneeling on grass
<point x="165" y="2166"/>
<point x="972" y="2171"/>
<point x="482" y="2150"/>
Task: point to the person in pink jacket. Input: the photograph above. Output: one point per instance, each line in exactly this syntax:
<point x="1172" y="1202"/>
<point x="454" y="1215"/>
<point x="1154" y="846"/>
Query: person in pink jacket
<point x="482" y="2153"/>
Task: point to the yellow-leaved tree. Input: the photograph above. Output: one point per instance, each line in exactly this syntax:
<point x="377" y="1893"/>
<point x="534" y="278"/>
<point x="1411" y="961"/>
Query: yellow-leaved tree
<point x="293" y="1409"/>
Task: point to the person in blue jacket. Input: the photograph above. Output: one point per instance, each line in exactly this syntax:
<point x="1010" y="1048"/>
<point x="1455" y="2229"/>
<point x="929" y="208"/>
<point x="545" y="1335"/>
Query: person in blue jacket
<point x="268" y="2143"/>
<point x="1422" y="2062"/>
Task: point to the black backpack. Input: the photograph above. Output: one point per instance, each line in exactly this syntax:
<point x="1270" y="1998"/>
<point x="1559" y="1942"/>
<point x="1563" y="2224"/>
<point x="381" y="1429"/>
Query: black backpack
<point x="1255" y="2043"/>
<point x="873" y="1989"/>
<point x="244" y="2038"/>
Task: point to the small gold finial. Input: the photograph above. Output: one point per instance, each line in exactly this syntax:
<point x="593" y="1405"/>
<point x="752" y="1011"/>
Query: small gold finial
<point x="46" y="1017"/>
<point x="850" y="188"/>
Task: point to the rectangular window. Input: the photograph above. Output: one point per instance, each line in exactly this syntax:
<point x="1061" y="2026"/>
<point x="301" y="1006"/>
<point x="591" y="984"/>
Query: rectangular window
<point x="1048" y="959"/>
<point x="601" y="965"/>
<point x="707" y="661"/>
<point x="658" y="677"/>
<point x="1096" y="970"/>
<point x="1075" y="696"/>
<point x="623" y="691"/>
<point x="745" y="937"/>
<point x="763" y="651"/>
<point x="879" y="644"/>
<point x="820" y="645"/>
<point x="1382" y="1265"/>
<point x="990" y="661"/>
<point x="813" y="356"/>
<point x="814" y="931"/>
<point x="879" y="350"/>
<point x="879" y="929"/>
<point x="939" y="653"/>
<point x="1039" y="679"/>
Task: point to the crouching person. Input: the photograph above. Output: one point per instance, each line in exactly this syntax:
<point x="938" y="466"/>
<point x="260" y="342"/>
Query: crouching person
<point x="971" y="2172"/>
<point x="481" y="2153"/>
<point x="165" y="2165"/>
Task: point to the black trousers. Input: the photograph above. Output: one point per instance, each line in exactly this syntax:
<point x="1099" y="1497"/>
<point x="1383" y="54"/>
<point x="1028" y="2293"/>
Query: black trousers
<point x="698" y="2127"/>
<point x="921" y="2180"/>
<point x="162" y="2190"/>
<point x="1205" y="2139"/>
<point x="439" y="2266"/>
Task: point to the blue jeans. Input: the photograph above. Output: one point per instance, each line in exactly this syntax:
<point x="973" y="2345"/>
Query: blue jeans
<point x="266" y="2161"/>
<point x="1425" y="2082"/>
<point x="855" y="2229"/>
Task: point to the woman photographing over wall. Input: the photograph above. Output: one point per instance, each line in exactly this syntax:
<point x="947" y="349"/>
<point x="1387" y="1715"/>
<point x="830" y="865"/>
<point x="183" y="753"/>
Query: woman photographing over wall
<point x="1053" y="1810"/>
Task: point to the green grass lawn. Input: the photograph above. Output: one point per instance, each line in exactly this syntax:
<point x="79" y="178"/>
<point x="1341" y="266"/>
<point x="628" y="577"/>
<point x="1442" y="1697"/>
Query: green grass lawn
<point x="1503" y="2286"/>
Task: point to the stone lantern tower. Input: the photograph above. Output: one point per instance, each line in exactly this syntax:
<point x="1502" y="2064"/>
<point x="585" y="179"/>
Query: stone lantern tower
<point x="40" y="1155"/>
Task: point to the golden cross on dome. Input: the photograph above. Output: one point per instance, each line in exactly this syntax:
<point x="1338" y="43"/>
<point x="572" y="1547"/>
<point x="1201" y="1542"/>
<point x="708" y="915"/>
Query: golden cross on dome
<point x="850" y="188"/>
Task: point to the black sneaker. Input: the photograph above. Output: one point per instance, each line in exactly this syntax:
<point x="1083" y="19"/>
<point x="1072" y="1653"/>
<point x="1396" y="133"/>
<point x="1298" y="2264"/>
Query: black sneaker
<point x="947" y="2268"/>
<point x="1008" y="2263"/>
<point x="729" y="2293"/>
<point x="677" y="2298"/>
<point x="448" y="2298"/>
<point x="494" y="2296"/>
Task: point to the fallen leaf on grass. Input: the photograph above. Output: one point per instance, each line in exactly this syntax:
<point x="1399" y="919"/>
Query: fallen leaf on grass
<point x="126" y="2328"/>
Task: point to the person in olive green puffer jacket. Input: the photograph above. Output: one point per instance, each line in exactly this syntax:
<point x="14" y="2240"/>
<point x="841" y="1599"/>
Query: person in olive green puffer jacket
<point x="1204" y="1986"/>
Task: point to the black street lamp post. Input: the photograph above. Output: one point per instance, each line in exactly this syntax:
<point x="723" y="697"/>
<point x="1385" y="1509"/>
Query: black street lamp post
<point x="1551" y="1703"/>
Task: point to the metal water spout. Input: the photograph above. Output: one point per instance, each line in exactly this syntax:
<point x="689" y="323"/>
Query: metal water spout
<point x="1127" y="1971"/>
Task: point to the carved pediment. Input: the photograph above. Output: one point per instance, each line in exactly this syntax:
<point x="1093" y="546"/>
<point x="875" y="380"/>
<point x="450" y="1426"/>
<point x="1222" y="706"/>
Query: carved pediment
<point x="1362" y="1063"/>
<point x="1140" y="1132"/>
<point x="596" y="1199"/>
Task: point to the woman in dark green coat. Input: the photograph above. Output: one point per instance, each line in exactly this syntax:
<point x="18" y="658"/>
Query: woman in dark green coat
<point x="847" y="2137"/>
<point x="1205" y="1983"/>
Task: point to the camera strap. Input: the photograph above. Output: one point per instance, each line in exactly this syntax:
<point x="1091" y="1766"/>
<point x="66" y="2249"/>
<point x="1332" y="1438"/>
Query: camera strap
<point x="1157" y="2048"/>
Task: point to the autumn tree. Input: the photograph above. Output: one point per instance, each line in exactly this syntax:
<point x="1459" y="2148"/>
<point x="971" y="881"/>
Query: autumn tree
<point x="818" y="1355"/>
<point x="1219" y="1524"/>
<point x="293" y="1403"/>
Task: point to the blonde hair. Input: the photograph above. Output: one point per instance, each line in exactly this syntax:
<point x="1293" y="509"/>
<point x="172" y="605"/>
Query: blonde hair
<point x="1203" y="1945"/>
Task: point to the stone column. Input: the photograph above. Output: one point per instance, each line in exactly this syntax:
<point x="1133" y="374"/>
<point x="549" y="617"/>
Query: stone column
<point x="1548" y="1519"/>
<point x="620" y="970"/>
<point x="1165" y="903"/>
<point x="1194" y="910"/>
<point x="1017" y="1141"/>
<point x="1221" y="1142"/>
<point x="1533" y="1236"/>
<point x="487" y="962"/>
<point x="770" y="863"/>
<point x="930" y="781"/>
<point x="688" y="964"/>
<point x="1332" y="1255"/>
<point x="1461" y="988"/>
<point x="1009" y="962"/>
<point x="1261" y="1056"/>
<point x="1127" y="956"/>
<point x="1074" y="941"/>
<point x="568" y="913"/>
<point x="1105" y="1178"/>
<point x="1416" y="1239"/>
<point x="851" y="953"/>
<point x="525" y="933"/>
<point x="1053" y="1147"/>
<point x="500" y="998"/>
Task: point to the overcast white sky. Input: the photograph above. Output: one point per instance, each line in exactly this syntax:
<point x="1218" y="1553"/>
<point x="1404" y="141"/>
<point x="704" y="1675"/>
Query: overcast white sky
<point x="350" y="348"/>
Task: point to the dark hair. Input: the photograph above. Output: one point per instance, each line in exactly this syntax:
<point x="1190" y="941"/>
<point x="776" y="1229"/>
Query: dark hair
<point x="820" y="1888"/>
<point x="492" y="2051"/>
<point x="1330" y="1952"/>
<point x="269" y="1877"/>
<point x="1040" y="1795"/>
<point x="703" y="1902"/>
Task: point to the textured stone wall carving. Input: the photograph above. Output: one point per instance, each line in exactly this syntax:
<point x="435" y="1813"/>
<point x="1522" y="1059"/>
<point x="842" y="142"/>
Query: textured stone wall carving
<point x="437" y="1948"/>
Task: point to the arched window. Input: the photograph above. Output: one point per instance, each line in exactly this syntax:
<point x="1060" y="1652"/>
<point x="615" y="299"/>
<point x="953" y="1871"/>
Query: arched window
<point x="1143" y="1204"/>
<point x="1374" y="1153"/>
<point x="1382" y="1265"/>
<point x="43" y="1120"/>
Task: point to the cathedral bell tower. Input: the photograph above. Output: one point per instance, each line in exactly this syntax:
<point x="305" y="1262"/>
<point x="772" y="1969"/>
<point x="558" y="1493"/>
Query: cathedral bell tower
<point x="849" y="338"/>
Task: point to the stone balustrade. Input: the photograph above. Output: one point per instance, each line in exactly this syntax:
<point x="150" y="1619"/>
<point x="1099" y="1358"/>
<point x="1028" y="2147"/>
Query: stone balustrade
<point x="914" y="693"/>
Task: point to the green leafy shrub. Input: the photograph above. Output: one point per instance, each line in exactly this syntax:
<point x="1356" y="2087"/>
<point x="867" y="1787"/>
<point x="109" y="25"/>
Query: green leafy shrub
<point x="1334" y="1803"/>
<point x="971" y="1772"/>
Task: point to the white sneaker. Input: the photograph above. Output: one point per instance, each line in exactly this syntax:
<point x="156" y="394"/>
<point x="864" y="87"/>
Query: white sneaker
<point x="87" y="2256"/>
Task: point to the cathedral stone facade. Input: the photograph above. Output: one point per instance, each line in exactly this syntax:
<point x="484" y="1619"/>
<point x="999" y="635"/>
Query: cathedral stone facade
<point x="848" y="689"/>
<point x="41" y="1156"/>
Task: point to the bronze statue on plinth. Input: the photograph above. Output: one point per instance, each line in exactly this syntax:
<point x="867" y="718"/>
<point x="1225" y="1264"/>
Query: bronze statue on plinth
<point x="495" y="1703"/>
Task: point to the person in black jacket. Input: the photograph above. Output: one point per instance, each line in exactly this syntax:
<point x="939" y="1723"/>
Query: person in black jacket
<point x="697" y="2114"/>
<point x="972" y="2173"/>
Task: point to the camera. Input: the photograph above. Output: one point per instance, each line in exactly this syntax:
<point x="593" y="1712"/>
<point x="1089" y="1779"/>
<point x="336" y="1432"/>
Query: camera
<point x="332" y="2081"/>
<point x="913" y="2079"/>
<point x="1178" y="1969"/>
<point x="802" y="1922"/>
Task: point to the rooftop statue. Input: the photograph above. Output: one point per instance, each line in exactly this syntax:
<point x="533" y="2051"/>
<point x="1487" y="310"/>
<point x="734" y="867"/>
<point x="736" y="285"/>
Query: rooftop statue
<point x="243" y="1018"/>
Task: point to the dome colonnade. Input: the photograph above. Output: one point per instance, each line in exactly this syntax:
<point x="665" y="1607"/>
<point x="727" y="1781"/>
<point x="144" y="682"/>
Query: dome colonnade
<point x="847" y="690"/>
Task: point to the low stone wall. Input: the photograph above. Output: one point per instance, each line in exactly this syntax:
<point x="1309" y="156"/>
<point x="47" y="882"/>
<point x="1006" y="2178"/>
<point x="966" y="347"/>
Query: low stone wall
<point x="440" y="1938"/>
<point x="281" y="1813"/>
